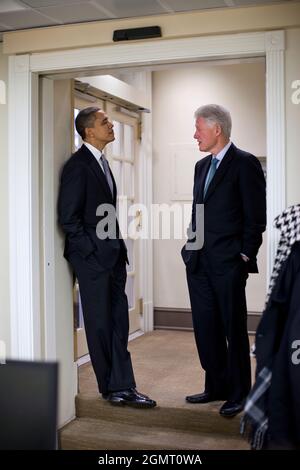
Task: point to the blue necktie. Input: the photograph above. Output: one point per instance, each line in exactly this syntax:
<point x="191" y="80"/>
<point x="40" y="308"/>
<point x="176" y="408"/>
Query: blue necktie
<point x="211" y="174"/>
<point x="107" y="173"/>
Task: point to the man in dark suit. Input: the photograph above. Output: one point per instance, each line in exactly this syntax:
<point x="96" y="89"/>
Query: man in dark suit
<point x="231" y="186"/>
<point x="99" y="258"/>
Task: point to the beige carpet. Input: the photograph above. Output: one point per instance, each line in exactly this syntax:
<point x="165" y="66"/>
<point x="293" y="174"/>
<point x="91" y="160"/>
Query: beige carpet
<point x="167" y="368"/>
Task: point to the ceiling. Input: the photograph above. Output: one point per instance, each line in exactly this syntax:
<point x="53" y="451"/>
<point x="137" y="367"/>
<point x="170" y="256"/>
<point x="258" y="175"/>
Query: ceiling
<point x="23" y="14"/>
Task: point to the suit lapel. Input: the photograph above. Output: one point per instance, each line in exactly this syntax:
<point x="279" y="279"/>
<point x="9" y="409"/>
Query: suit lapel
<point x="221" y="171"/>
<point x="201" y="181"/>
<point x="95" y="167"/>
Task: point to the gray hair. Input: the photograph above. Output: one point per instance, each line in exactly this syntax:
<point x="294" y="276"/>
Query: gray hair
<point x="216" y="114"/>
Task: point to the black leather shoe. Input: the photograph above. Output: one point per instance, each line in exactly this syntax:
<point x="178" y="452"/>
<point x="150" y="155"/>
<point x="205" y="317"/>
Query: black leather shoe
<point x="105" y="395"/>
<point x="231" y="408"/>
<point x="139" y="394"/>
<point x="202" y="398"/>
<point x="131" y="397"/>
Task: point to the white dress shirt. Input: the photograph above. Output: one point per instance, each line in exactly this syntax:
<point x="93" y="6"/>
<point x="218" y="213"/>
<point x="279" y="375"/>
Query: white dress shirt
<point x="222" y="153"/>
<point x="97" y="153"/>
<point x="218" y="157"/>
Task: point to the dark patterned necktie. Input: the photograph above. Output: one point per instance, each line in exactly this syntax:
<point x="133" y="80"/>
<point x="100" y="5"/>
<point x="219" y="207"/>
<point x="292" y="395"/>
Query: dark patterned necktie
<point x="107" y="173"/>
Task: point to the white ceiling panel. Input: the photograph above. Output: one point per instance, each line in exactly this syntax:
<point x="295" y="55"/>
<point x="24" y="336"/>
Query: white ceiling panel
<point x="51" y="3"/>
<point x="3" y="28"/>
<point x="22" y="14"/>
<point x="10" y="5"/>
<point x="74" y="13"/>
<point x="189" y="5"/>
<point x="24" y="19"/>
<point x="255" y="2"/>
<point x="131" y="8"/>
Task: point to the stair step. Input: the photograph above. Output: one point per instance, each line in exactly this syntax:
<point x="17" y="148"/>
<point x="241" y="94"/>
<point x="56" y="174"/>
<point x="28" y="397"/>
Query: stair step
<point x="184" y="416"/>
<point x="101" y="434"/>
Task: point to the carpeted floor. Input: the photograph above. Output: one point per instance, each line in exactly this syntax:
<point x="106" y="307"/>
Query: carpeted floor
<point x="166" y="367"/>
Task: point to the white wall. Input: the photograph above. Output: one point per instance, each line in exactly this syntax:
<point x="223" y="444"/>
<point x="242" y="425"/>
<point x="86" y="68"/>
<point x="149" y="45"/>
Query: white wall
<point x="4" y="239"/>
<point x="177" y="92"/>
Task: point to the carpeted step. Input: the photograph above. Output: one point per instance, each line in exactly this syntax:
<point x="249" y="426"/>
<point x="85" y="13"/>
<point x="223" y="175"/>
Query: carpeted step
<point x="178" y="416"/>
<point x="96" y="434"/>
<point x="167" y="369"/>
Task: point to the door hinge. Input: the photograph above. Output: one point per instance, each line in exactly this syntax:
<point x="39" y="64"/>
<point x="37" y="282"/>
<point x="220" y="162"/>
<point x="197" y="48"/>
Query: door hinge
<point x="139" y="130"/>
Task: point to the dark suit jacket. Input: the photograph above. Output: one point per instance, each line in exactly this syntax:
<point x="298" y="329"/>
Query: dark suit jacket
<point x="277" y="347"/>
<point x="83" y="188"/>
<point x="234" y="211"/>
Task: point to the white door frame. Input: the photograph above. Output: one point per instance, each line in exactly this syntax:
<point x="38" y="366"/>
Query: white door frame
<point x="25" y="266"/>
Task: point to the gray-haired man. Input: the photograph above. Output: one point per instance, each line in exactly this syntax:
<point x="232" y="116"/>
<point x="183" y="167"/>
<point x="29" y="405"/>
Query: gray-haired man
<point x="231" y="185"/>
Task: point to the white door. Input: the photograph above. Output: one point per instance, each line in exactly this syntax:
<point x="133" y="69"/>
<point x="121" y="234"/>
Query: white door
<point x="57" y="323"/>
<point x="122" y="156"/>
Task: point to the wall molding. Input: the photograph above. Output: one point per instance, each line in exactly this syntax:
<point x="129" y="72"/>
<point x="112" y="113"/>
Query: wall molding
<point x="276" y="135"/>
<point x="143" y="53"/>
<point x="48" y="222"/>
<point x="146" y="197"/>
<point x="23" y="210"/>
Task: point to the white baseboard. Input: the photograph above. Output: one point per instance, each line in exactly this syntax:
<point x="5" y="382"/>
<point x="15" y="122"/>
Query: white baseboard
<point x="83" y="360"/>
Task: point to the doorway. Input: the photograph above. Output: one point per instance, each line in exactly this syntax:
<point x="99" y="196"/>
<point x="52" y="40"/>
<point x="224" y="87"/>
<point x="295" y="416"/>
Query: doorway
<point x="239" y="85"/>
<point x="37" y="338"/>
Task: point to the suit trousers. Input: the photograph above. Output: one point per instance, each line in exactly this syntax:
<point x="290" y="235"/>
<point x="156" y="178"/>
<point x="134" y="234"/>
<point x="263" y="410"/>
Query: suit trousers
<point x="219" y="314"/>
<point x="105" y="313"/>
